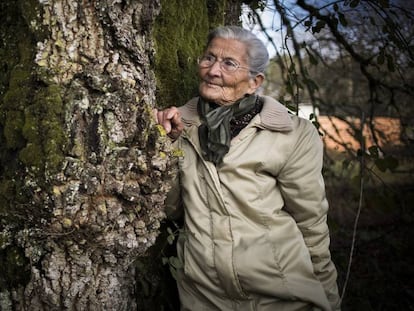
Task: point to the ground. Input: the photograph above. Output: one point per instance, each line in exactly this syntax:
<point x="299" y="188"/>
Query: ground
<point x="381" y="274"/>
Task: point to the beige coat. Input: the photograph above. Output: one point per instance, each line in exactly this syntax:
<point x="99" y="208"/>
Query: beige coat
<point x="256" y="236"/>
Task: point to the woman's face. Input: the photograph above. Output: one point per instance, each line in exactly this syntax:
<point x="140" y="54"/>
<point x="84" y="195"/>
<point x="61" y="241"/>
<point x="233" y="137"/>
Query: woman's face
<point x="223" y="87"/>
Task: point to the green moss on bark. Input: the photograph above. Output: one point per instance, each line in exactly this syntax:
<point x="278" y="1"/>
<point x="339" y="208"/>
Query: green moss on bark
<point x="32" y="136"/>
<point x="180" y="33"/>
<point x="30" y="111"/>
<point x="43" y="131"/>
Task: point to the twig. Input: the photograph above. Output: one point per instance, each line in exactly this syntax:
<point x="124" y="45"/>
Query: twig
<point x="361" y="192"/>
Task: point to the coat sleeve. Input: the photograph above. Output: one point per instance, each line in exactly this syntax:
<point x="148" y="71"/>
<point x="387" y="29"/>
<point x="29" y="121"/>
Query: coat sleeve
<point x="303" y="190"/>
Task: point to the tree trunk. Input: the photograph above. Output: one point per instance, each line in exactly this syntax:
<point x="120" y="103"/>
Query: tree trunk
<point x="83" y="168"/>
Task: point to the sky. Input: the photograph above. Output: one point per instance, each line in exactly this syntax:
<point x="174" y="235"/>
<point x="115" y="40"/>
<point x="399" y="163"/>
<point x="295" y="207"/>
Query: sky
<point x="271" y="21"/>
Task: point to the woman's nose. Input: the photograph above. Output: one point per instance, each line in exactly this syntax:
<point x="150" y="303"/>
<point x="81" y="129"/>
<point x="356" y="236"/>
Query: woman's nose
<point x="215" y="69"/>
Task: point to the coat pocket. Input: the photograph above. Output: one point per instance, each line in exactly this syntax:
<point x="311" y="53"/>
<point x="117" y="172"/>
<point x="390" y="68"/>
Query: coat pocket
<point x="258" y="268"/>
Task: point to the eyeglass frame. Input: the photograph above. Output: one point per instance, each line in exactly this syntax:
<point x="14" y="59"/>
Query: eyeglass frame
<point x="237" y="65"/>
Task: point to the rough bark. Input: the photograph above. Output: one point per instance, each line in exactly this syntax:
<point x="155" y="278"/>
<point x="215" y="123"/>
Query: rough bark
<point x="84" y="169"/>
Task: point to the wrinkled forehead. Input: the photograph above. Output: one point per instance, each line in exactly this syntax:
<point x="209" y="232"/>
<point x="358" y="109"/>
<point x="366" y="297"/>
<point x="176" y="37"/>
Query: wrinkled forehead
<point x="228" y="48"/>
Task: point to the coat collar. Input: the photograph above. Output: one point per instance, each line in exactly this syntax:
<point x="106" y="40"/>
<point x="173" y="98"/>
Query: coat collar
<point x="274" y="116"/>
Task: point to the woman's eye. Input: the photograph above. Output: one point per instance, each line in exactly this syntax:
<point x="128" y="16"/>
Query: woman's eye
<point x="209" y="58"/>
<point x="229" y="63"/>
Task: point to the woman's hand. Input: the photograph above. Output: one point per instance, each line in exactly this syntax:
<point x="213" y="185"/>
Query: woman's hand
<point x="170" y="119"/>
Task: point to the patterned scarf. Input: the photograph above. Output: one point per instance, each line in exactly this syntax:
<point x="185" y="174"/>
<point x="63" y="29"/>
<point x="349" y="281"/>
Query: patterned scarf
<point x="214" y="132"/>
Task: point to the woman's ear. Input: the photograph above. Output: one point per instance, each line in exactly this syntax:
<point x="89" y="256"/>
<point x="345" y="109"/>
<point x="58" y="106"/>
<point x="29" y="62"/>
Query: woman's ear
<point x="255" y="82"/>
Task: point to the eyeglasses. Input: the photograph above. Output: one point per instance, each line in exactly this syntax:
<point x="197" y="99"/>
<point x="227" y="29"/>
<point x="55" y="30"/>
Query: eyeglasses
<point x="226" y="64"/>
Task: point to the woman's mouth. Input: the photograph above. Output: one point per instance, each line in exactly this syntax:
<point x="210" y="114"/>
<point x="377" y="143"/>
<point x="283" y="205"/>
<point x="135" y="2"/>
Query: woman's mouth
<point x="212" y="84"/>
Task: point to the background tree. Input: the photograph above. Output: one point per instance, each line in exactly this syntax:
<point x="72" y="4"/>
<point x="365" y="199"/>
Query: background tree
<point x="347" y="58"/>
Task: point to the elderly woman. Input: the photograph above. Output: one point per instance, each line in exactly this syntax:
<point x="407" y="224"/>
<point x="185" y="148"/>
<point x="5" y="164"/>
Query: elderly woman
<point x="250" y="185"/>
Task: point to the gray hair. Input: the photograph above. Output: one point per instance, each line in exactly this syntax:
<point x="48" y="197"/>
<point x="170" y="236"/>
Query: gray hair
<point x="258" y="57"/>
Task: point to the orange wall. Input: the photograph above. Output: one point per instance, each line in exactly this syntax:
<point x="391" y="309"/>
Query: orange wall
<point x="337" y="131"/>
